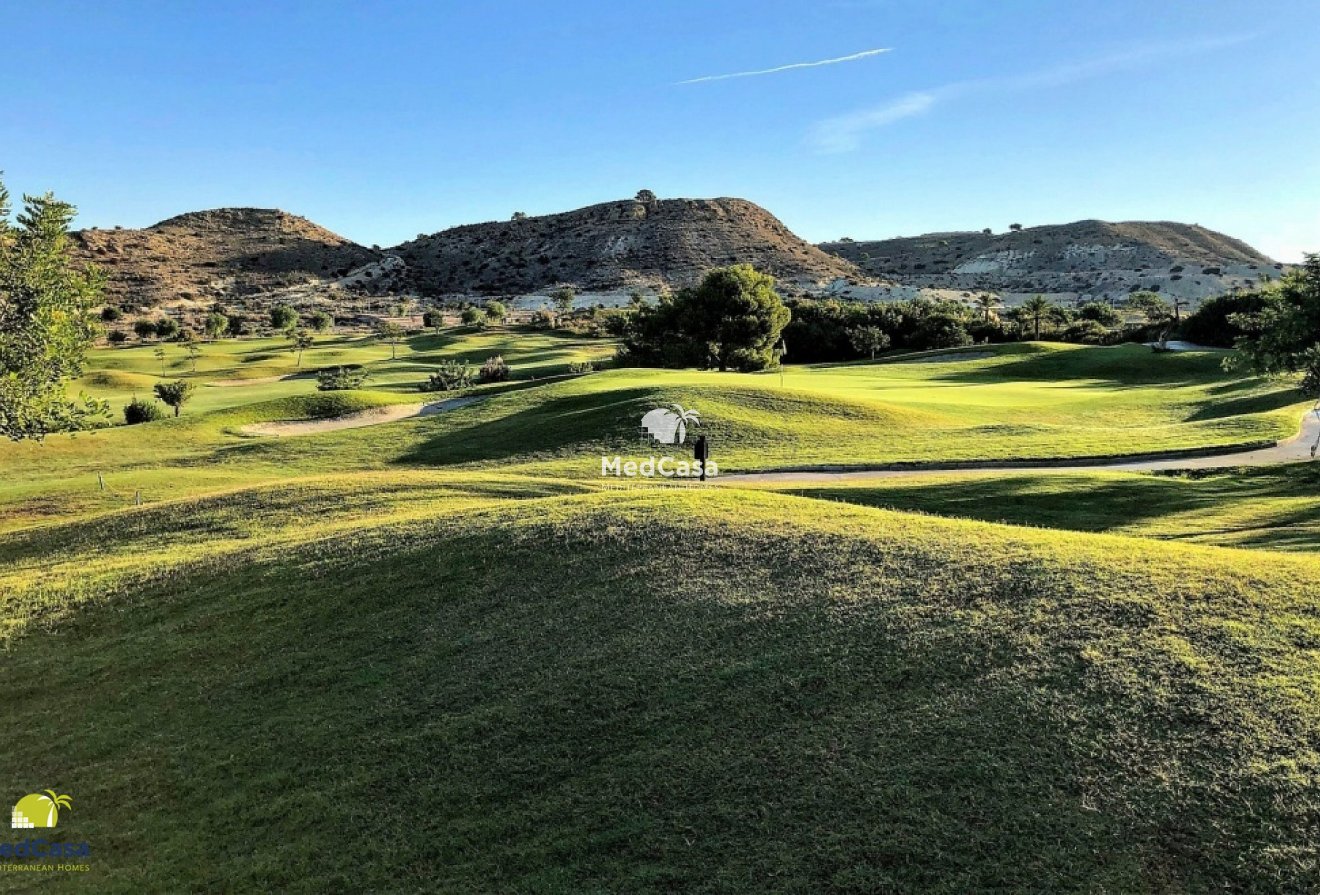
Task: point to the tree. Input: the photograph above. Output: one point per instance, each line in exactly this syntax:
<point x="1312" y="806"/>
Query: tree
<point x="175" y="393"/>
<point x="1036" y="309"/>
<point x="1100" y="313"/>
<point x="340" y="379"/>
<point x="392" y="333"/>
<point x="283" y="317"/>
<point x="46" y="321"/>
<point x="519" y="216"/>
<point x="495" y="311"/>
<point x="733" y="319"/>
<point x="563" y="299"/>
<point x="988" y="304"/>
<point x="109" y="314"/>
<point x="1151" y="306"/>
<point x="159" y="352"/>
<point x="217" y="325"/>
<point x="320" y="321"/>
<point x="1016" y="228"/>
<point x="140" y="411"/>
<point x="868" y="340"/>
<point x="144" y="329"/>
<point x="433" y="318"/>
<point x="300" y="340"/>
<point x="987" y="232"/>
<point x="167" y="328"/>
<point x="1283" y="336"/>
<point x="472" y="317"/>
<point x="646" y="197"/>
<point x="194" y="349"/>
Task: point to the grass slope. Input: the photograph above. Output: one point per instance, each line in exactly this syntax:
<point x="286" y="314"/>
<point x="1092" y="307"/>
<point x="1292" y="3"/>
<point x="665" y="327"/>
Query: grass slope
<point x="1017" y="401"/>
<point x="421" y="681"/>
<point x="1273" y="508"/>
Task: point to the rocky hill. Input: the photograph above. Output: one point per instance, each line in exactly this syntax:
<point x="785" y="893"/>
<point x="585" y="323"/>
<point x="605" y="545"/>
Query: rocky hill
<point x="206" y="255"/>
<point x="1070" y="261"/>
<point x="615" y="245"/>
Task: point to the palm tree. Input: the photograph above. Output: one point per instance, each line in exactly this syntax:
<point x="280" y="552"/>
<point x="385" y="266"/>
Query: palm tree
<point x="1037" y="308"/>
<point x="988" y="304"/>
<point x="684" y="417"/>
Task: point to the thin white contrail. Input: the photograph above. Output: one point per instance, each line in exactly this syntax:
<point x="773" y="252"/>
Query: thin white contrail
<point x="771" y="71"/>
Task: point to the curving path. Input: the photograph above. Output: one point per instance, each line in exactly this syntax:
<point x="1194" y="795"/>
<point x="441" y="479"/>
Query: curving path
<point x="390" y="413"/>
<point x="1290" y="450"/>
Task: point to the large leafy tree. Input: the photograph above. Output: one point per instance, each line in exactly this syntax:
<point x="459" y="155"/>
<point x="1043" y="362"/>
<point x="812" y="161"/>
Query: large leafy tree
<point x="1283" y="336"/>
<point x="732" y="320"/>
<point x="46" y="321"/>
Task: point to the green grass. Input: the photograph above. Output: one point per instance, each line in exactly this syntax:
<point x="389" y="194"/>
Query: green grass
<point x="232" y="372"/>
<point x="1274" y="508"/>
<point x="444" y="654"/>
<point x="354" y="684"/>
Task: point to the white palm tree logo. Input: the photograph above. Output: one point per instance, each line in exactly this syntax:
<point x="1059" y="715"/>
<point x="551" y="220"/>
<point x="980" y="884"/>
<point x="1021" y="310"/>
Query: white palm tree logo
<point x="668" y="427"/>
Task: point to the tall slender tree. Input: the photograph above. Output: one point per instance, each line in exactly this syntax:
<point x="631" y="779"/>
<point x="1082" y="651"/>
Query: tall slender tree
<point x="46" y="321"/>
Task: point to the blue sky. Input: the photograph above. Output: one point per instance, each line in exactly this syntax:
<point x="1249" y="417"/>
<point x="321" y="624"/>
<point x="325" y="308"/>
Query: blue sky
<point x="381" y="121"/>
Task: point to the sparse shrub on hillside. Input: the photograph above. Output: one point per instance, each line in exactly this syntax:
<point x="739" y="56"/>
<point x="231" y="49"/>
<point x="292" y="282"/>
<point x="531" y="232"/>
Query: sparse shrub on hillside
<point x="341" y="378"/>
<point x="110" y="314"/>
<point x="217" y="325"/>
<point x="494" y="370"/>
<point x="116" y="337"/>
<point x="283" y="317"/>
<point x="451" y="376"/>
<point x="320" y="321"/>
<point x="166" y="328"/>
<point x="140" y="411"/>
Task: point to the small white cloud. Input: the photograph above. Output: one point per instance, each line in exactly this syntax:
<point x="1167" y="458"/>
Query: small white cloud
<point x="770" y="71"/>
<point x="844" y="132"/>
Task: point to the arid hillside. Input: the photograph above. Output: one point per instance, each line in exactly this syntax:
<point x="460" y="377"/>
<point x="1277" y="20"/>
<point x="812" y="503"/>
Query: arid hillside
<point x="616" y="245"/>
<point x="215" y="254"/>
<point x="1084" y="259"/>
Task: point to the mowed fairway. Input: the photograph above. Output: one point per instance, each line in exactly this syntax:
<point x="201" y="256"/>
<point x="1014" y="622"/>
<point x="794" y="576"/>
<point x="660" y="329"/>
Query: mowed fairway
<point x="446" y="654"/>
<point x="1020" y="402"/>
<point x="422" y="682"/>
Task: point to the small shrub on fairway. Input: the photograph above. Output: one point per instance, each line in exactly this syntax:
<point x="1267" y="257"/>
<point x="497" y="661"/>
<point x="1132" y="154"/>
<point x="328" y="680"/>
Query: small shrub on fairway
<point x="494" y="370"/>
<point x="340" y="379"/>
<point x="450" y="376"/>
<point x="140" y="411"/>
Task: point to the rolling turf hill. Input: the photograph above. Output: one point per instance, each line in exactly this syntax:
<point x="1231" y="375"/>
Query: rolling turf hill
<point x="445" y="654"/>
<point x="1085" y="259"/>
<point x="414" y="681"/>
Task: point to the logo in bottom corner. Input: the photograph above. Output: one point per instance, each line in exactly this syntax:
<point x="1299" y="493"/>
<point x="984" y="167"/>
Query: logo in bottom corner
<point x="39" y="810"/>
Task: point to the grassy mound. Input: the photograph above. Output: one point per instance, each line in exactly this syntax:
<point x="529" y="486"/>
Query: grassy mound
<point x="694" y="690"/>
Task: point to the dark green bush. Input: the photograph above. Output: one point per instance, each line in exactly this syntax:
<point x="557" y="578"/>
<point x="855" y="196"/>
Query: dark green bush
<point x="140" y="411"/>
